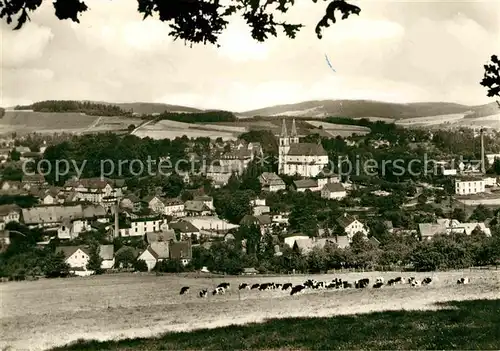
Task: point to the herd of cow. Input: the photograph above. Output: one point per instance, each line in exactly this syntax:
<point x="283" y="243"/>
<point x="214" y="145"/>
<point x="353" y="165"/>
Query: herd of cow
<point x="336" y="283"/>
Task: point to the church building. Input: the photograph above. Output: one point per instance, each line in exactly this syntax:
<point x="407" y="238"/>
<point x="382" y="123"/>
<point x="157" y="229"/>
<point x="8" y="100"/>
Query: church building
<point x="304" y="159"/>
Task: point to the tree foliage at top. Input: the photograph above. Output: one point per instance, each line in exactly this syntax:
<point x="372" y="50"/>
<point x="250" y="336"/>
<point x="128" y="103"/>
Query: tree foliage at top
<point x="200" y="21"/>
<point x="491" y="79"/>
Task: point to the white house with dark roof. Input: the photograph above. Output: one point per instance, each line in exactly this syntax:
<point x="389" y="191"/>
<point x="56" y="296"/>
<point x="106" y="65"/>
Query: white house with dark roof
<point x="77" y="257"/>
<point x="305" y="159"/>
<point x="175" y="208"/>
<point x="352" y="225"/>
<point x="302" y="185"/>
<point x="154" y="253"/>
<point x="197" y="208"/>
<point x="271" y="182"/>
<point x="333" y="191"/>
<point x="185" y="229"/>
<point x="469" y="185"/>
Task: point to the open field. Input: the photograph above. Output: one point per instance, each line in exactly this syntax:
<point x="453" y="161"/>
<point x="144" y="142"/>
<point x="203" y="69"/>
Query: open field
<point x="172" y="129"/>
<point x="24" y="122"/>
<point x="462" y="325"/>
<point x="48" y="313"/>
<point x="432" y="120"/>
<point x="340" y="129"/>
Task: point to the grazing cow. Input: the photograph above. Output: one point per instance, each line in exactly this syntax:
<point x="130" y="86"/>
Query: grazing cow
<point x="411" y="279"/>
<point x="243" y="286"/>
<point x="264" y="286"/>
<point x="391" y="282"/>
<point x="255" y="286"/>
<point x="380" y="280"/>
<point x="278" y="286"/>
<point x="287" y="286"/>
<point x="203" y="293"/>
<point x="362" y="283"/>
<point x="378" y="285"/>
<point x="184" y="290"/>
<point x="296" y="289"/>
<point x="415" y="283"/>
<point x="464" y="280"/>
<point x="219" y="291"/>
<point x="226" y="286"/>
<point x="398" y="280"/>
<point x="309" y="283"/>
<point x="347" y="285"/>
<point x="427" y="281"/>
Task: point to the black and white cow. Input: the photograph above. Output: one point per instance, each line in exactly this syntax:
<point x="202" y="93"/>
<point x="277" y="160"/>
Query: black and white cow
<point x="244" y="286"/>
<point x="347" y="285"/>
<point x="296" y="289"/>
<point x="255" y="286"/>
<point x="203" y="293"/>
<point x="219" y="291"/>
<point x="427" y="281"/>
<point x="378" y="285"/>
<point x="287" y="286"/>
<point x="226" y="286"/>
<point x="380" y="280"/>
<point x="184" y="290"/>
<point x="398" y="280"/>
<point x="362" y="283"/>
<point x="463" y="280"/>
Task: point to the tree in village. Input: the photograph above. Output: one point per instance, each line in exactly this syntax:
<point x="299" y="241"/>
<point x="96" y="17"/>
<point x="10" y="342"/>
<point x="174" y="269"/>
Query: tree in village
<point x="54" y="266"/>
<point x="95" y="259"/>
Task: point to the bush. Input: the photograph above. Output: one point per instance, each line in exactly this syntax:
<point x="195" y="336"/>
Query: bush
<point x="140" y="266"/>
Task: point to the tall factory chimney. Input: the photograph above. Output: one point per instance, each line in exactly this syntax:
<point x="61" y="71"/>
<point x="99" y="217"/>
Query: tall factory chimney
<point x="483" y="165"/>
<point x="117" y="227"/>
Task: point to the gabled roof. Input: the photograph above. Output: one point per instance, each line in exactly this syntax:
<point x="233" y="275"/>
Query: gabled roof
<point x="305" y="183"/>
<point x="334" y="187"/>
<point x="306" y="149"/>
<point x="196" y="206"/>
<point x="264" y="219"/>
<point x="203" y="198"/>
<point x="90" y="211"/>
<point x="50" y="214"/>
<point x="181" y="250"/>
<point x="184" y="227"/>
<point x="345" y="220"/>
<point x="159" y="249"/>
<point x="269" y="178"/>
<point x="106" y="252"/>
<point x="70" y="250"/>
<point x="342" y="241"/>
<point x="431" y="229"/>
<point x="6" y="209"/>
<point x="160" y="236"/>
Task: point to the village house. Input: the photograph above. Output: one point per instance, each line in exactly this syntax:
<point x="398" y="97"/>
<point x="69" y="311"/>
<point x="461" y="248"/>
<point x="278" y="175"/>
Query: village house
<point x="468" y="186"/>
<point x="106" y="252"/>
<point x="175" y="208"/>
<point x="34" y="180"/>
<point x="181" y="251"/>
<point x="77" y="257"/>
<point x="197" y="208"/>
<point x="50" y="216"/>
<point x="141" y="226"/>
<point x="305" y="159"/>
<point x="164" y="235"/>
<point x="9" y="213"/>
<point x="260" y="210"/>
<point x="351" y="226"/>
<point x="218" y="174"/>
<point x="185" y="229"/>
<point x="263" y="222"/>
<point x="211" y="225"/>
<point x="132" y="202"/>
<point x="445" y="227"/>
<point x="271" y="182"/>
<point x="333" y="191"/>
<point x="96" y="190"/>
<point x="72" y="228"/>
<point x="155" y="204"/>
<point x="11" y="185"/>
<point x="207" y="200"/>
<point x="291" y="238"/>
<point x="302" y="185"/>
<point x="154" y="253"/>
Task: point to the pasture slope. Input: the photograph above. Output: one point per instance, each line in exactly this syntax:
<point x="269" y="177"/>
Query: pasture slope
<point x="49" y="313"/>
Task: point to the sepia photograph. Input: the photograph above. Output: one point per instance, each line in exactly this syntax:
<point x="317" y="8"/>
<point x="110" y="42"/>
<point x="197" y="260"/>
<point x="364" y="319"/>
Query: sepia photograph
<point x="249" y="175"/>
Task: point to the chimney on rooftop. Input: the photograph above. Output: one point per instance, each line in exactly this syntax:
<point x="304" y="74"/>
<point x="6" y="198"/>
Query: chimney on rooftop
<point x="483" y="165"/>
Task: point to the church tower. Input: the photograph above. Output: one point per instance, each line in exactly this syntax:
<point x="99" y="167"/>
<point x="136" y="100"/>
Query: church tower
<point x="284" y="146"/>
<point x="294" y="136"/>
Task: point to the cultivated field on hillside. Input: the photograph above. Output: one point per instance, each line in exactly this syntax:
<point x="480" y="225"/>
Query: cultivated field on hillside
<point x="432" y="120"/>
<point x="23" y="122"/>
<point x="172" y="129"/>
<point x="340" y="129"/>
<point x="46" y="313"/>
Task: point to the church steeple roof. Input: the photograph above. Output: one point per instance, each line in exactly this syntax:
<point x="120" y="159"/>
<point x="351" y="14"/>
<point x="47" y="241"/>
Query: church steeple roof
<point x="294" y="128"/>
<point x="284" y="134"/>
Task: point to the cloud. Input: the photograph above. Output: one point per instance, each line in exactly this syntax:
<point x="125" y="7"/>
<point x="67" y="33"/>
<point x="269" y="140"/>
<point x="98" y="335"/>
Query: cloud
<point x="237" y="44"/>
<point x="359" y="29"/>
<point x="24" y="46"/>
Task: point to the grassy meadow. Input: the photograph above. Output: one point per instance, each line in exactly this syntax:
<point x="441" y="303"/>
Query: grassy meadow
<point x="464" y="325"/>
<point x="43" y="314"/>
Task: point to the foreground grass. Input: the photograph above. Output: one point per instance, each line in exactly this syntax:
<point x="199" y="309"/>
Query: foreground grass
<point x="462" y="325"/>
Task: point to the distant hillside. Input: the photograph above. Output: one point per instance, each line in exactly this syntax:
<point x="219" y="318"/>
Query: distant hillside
<point x="363" y="108"/>
<point x="149" y="108"/>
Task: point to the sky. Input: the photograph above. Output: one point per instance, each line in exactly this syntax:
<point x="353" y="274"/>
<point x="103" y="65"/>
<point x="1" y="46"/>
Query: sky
<point x="395" y="51"/>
